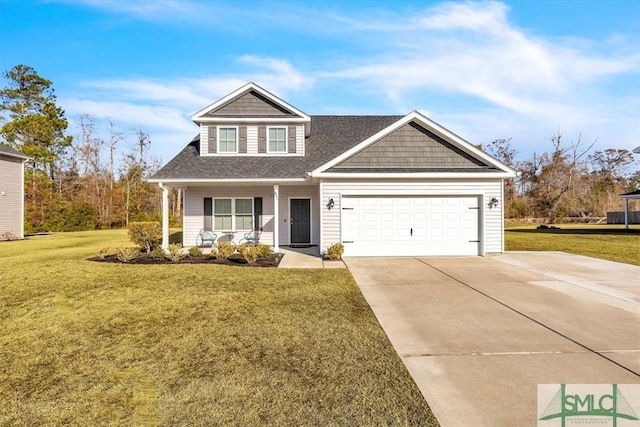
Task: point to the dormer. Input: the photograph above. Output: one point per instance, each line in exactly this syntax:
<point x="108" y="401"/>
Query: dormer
<point x="252" y="122"/>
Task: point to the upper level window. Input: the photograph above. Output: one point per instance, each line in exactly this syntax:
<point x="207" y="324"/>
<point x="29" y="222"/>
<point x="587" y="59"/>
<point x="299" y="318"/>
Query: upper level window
<point x="227" y="140"/>
<point x="277" y="140"/>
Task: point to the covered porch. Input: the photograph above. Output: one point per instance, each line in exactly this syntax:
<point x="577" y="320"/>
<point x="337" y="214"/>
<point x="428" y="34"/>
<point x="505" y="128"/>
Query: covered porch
<point x="284" y="213"/>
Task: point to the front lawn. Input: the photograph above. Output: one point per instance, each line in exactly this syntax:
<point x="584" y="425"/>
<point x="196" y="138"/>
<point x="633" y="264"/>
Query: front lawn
<point x="611" y="242"/>
<point x="87" y="343"/>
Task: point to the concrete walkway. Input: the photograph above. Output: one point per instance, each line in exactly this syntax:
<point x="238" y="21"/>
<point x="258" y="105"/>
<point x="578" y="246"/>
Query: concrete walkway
<point x="306" y="258"/>
<point x="479" y="334"/>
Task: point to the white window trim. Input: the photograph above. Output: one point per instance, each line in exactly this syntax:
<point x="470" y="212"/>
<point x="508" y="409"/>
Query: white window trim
<point x="286" y="140"/>
<point x="218" y="128"/>
<point x="233" y="213"/>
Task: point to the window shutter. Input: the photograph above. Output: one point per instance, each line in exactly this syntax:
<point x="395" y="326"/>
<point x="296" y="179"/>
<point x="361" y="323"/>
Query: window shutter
<point x="242" y="139"/>
<point x="257" y="213"/>
<point x="292" y="139"/>
<point x="262" y="139"/>
<point x="213" y="147"/>
<point x="208" y="212"/>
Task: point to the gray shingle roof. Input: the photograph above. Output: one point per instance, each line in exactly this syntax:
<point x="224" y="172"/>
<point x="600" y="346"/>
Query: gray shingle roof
<point x="330" y="137"/>
<point x="5" y="149"/>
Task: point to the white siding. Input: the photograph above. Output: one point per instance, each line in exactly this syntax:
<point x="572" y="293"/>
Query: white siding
<point x="300" y="139"/>
<point x="204" y="139"/>
<point x="252" y="139"/>
<point x="11" y="197"/>
<point x="288" y="192"/>
<point x="491" y="220"/>
<point x="194" y="209"/>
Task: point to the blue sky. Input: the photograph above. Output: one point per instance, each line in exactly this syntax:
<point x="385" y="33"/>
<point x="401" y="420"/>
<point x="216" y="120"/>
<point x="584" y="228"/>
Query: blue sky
<point x="485" y="70"/>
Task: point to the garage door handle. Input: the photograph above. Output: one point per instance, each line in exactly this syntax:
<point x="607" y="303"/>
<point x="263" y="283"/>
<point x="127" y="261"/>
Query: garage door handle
<point x="474" y="241"/>
<point x="411" y="231"/>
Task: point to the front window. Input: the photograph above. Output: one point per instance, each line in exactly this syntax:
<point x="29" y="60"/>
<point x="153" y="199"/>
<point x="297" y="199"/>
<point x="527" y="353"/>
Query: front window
<point x="277" y="140"/>
<point x="233" y="214"/>
<point x="227" y="140"/>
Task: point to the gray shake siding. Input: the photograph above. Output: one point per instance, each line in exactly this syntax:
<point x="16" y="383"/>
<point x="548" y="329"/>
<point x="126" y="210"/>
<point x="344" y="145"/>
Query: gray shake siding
<point x="251" y="104"/>
<point x="411" y="146"/>
<point x="11" y="197"/>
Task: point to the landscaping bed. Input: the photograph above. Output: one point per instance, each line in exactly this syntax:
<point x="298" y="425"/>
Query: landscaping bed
<point x="236" y="259"/>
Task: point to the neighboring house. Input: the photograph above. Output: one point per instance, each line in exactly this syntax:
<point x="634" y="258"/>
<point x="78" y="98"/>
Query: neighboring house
<point x="381" y="185"/>
<point x="11" y="193"/>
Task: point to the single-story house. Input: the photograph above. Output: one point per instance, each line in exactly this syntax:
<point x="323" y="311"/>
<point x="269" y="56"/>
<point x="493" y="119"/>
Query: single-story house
<point x="11" y="193"/>
<point x="380" y="185"/>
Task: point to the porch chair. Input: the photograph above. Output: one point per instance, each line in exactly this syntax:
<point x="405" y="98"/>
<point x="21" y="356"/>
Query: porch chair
<point x="252" y="237"/>
<point x="206" y="237"/>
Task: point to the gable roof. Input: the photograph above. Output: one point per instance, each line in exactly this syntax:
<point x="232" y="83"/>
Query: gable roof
<point x="248" y="103"/>
<point x="10" y="152"/>
<point x="436" y="150"/>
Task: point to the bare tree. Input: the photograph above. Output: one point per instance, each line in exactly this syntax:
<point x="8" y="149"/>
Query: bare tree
<point x="553" y="175"/>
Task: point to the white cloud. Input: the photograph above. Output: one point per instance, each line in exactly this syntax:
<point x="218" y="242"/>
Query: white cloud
<point x="527" y="83"/>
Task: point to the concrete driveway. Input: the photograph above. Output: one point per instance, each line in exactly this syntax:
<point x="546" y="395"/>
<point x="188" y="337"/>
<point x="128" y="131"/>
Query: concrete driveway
<point x="479" y="334"/>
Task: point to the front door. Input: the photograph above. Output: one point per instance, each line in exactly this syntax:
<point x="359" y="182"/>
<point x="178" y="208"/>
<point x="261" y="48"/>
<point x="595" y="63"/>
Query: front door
<point x="300" y="221"/>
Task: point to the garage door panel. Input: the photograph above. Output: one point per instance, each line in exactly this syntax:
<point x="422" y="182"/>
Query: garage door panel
<point x="410" y="226"/>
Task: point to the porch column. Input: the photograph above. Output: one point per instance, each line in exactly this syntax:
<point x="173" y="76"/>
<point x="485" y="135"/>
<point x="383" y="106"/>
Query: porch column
<point x="626" y="213"/>
<point x="276" y="218"/>
<point x="165" y="217"/>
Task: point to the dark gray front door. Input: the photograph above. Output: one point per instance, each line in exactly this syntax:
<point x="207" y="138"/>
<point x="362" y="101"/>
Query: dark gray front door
<point x="300" y="221"/>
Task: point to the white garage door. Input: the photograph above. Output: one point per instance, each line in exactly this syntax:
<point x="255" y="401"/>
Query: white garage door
<point x="410" y="226"/>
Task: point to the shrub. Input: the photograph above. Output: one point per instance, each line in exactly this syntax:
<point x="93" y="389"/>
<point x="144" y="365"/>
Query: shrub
<point x="264" y="251"/>
<point x="225" y="249"/>
<point x="335" y="251"/>
<point x="195" y="251"/>
<point x="147" y="235"/>
<point x="249" y="253"/>
<point x="158" y="252"/>
<point x="127" y="254"/>
<point x="104" y="252"/>
<point x="175" y="252"/>
<point x="7" y="235"/>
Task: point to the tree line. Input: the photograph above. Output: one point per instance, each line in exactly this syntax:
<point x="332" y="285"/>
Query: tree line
<point x="95" y="181"/>
<point x="569" y="180"/>
<point x="84" y="182"/>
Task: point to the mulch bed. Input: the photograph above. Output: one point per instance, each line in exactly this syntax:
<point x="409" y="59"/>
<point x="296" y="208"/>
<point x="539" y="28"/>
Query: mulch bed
<point x="235" y="259"/>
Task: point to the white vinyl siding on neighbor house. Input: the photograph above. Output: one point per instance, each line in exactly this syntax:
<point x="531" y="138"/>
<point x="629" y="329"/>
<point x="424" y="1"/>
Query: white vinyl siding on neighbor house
<point x="11" y="197"/>
<point x="227" y="139"/>
<point x="276" y="139"/>
<point x="490" y="219"/>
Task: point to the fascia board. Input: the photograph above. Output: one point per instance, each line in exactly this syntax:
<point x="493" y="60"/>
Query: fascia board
<point x="420" y="175"/>
<point x="241" y="91"/>
<point x="252" y="120"/>
<point x="196" y="181"/>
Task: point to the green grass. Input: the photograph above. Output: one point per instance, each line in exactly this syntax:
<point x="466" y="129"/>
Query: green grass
<point x="611" y="242"/>
<point x="87" y="343"/>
